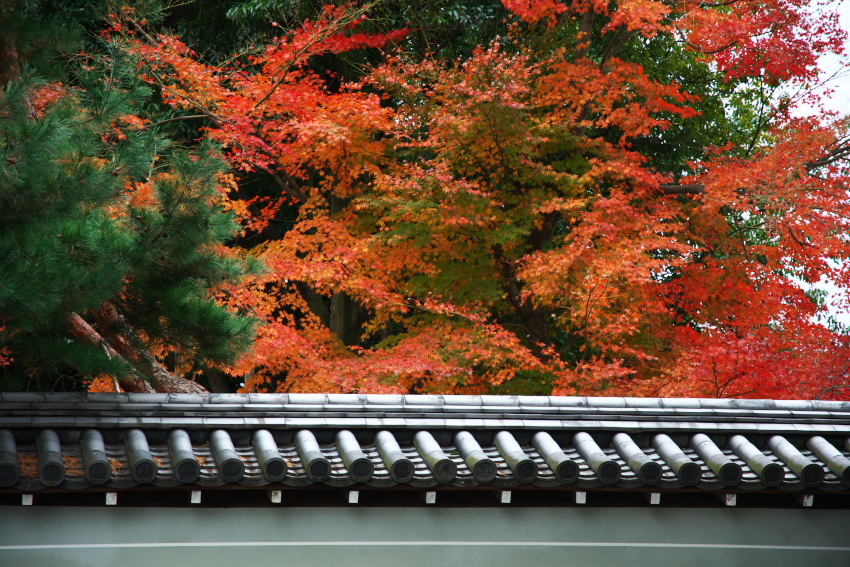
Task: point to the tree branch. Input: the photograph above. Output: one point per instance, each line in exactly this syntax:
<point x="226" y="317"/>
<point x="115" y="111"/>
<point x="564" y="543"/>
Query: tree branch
<point x="287" y="183"/>
<point x="125" y="340"/>
<point x="841" y="151"/>
<point x="802" y="243"/>
<point x="178" y="118"/>
<point x="315" y="40"/>
<point x="692" y="189"/>
<point x="82" y="330"/>
<point x="618" y="41"/>
<point x="831" y="388"/>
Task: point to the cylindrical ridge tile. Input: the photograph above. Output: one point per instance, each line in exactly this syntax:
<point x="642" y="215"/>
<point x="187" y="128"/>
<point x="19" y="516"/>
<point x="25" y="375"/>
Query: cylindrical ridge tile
<point x="524" y="468"/>
<point x="272" y="464"/>
<point x="51" y="467"/>
<point x="440" y="465"/>
<point x="648" y="471"/>
<point x="834" y="459"/>
<point x="771" y="473"/>
<point x="359" y="467"/>
<point x="483" y="468"/>
<point x="606" y="469"/>
<point x="317" y="467"/>
<point x="230" y="466"/>
<point x="688" y="472"/>
<point x="400" y="467"/>
<point x="810" y="474"/>
<point x="184" y="464"/>
<point x="566" y="470"/>
<point x="143" y="468"/>
<point x="728" y="472"/>
<point x="95" y="464"/>
<point x="10" y="467"/>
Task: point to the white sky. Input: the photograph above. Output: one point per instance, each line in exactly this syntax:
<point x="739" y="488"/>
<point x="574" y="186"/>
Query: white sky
<point x="836" y="73"/>
<point x="839" y="100"/>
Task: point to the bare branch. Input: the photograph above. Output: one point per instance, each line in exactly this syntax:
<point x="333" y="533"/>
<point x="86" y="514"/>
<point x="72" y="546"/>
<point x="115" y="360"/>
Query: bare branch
<point x="831" y="388"/>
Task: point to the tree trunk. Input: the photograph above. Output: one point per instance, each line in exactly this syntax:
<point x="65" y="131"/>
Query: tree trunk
<point x="82" y="330"/>
<point x="316" y="302"/>
<point x="121" y="342"/>
<point x="531" y="318"/>
<point x="10" y="63"/>
<point x="218" y="381"/>
<point x="347" y="319"/>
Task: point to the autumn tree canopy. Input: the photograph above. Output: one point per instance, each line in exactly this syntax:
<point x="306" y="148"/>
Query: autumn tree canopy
<point x="598" y="198"/>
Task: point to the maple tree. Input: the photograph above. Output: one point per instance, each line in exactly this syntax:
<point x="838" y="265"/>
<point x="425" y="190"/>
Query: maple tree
<point x="611" y="199"/>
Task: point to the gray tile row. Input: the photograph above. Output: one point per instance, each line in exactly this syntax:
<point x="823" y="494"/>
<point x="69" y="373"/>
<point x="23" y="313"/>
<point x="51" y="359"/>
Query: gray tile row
<point x="34" y="460"/>
<point x="743" y="425"/>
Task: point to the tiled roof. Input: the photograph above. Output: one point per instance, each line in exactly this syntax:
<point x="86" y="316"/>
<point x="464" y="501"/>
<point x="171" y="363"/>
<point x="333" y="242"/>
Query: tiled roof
<point x="81" y="441"/>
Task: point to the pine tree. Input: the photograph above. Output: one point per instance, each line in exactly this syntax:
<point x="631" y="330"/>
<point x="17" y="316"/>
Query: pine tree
<point x="111" y="238"/>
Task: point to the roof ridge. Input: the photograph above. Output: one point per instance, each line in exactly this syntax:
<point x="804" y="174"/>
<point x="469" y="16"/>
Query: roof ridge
<point x="414" y="401"/>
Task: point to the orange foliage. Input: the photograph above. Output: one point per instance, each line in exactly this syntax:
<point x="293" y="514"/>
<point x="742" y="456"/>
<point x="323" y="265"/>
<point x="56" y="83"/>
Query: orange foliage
<point x="102" y="383"/>
<point x="6" y="357"/>
<point x="487" y="230"/>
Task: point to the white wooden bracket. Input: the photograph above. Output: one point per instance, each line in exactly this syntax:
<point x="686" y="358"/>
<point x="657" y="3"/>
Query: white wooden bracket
<point x="807" y="500"/>
<point x="503" y="496"/>
<point x="728" y="499"/>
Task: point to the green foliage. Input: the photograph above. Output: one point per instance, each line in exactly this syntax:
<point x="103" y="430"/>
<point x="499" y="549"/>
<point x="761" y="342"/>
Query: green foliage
<point x="76" y="233"/>
<point x="59" y="251"/>
<point x="173" y="264"/>
<point x="526" y="383"/>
